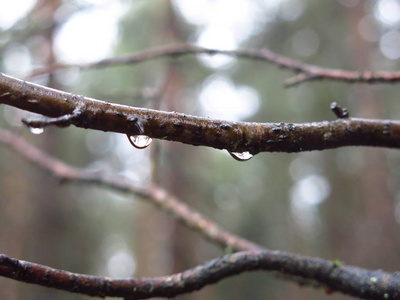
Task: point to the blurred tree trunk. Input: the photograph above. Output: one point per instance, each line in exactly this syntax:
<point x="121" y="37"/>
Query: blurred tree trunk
<point x="179" y="245"/>
<point x="15" y="211"/>
<point x="364" y="230"/>
<point x="32" y="204"/>
<point x="377" y="215"/>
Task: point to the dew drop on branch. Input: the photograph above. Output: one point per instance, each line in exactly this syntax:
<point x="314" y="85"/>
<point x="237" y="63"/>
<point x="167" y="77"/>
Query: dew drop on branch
<point x="241" y="156"/>
<point x="36" y="130"/>
<point x="140" y="141"/>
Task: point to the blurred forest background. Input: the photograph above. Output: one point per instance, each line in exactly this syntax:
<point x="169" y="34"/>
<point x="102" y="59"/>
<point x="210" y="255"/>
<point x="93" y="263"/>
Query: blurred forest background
<point x="335" y="204"/>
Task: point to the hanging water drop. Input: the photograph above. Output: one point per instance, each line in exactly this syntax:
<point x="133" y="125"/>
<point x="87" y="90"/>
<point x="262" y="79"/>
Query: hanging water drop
<point x="140" y="141"/>
<point x="243" y="156"/>
<point x="36" y="130"/>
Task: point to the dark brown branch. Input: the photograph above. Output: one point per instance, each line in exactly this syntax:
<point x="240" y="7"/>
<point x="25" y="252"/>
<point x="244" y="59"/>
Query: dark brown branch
<point x="335" y="276"/>
<point x="307" y="71"/>
<point x="232" y="136"/>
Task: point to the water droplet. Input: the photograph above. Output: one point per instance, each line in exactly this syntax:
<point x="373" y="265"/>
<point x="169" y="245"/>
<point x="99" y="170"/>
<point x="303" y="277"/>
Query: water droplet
<point x="241" y="156"/>
<point x="36" y="130"/>
<point x="140" y="141"/>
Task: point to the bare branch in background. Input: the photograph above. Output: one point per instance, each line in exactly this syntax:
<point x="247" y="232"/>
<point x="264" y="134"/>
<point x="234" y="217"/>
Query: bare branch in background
<point x="306" y="71"/>
<point x="237" y="137"/>
<point x="154" y="194"/>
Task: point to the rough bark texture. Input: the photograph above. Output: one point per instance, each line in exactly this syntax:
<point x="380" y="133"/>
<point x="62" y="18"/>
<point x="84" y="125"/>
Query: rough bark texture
<point x="68" y="109"/>
<point x="336" y="276"/>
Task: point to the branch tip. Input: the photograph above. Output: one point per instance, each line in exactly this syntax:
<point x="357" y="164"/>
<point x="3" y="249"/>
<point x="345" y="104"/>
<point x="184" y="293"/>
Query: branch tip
<point x="341" y="113"/>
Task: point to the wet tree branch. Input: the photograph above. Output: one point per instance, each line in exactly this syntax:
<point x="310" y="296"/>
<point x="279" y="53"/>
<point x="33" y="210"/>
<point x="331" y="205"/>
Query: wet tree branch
<point x="305" y="72"/>
<point x="233" y="136"/>
<point x="350" y="280"/>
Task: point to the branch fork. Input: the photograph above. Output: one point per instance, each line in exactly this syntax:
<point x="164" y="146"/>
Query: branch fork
<point x="63" y="121"/>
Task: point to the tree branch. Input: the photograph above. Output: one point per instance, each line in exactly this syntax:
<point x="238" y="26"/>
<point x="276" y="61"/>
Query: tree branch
<point x="335" y="276"/>
<point x="154" y="194"/>
<point x="306" y="71"/>
<point x="235" y="137"/>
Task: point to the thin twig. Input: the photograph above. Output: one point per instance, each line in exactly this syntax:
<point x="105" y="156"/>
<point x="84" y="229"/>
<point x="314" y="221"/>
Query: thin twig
<point x="154" y="194"/>
<point x="306" y="71"/>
